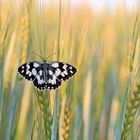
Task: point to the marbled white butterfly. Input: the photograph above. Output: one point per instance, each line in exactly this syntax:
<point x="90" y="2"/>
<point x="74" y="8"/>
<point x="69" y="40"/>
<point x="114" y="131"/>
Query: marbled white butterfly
<point x="46" y="75"/>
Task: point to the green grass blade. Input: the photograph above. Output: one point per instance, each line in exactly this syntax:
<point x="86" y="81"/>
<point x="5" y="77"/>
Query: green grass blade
<point x="121" y="119"/>
<point x="56" y="102"/>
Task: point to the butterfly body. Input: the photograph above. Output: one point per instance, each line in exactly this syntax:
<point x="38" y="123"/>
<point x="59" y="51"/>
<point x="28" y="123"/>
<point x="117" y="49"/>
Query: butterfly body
<point x="46" y="75"/>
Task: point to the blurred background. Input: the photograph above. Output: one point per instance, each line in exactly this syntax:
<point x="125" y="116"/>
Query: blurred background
<point x="95" y="36"/>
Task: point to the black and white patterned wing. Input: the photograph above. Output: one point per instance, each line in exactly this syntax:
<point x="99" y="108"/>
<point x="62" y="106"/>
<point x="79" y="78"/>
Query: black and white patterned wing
<point x="29" y="70"/>
<point x="47" y="75"/>
<point x="33" y="71"/>
<point x="58" y="72"/>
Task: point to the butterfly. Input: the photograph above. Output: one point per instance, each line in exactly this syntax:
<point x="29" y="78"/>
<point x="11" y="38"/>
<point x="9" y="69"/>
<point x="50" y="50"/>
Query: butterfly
<point x="47" y="75"/>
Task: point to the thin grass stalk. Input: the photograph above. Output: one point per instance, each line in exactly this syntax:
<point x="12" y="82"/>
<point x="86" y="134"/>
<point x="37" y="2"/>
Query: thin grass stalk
<point x="3" y="34"/>
<point x="134" y="41"/>
<point x="34" y="129"/>
<point x="120" y="121"/>
<point x="25" y="30"/>
<point x="12" y="125"/>
<point x="56" y="102"/>
<point x="36" y="120"/>
<point x="24" y="110"/>
<point x="59" y="31"/>
<point x="2" y="50"/>
<point x="87" y="106"/>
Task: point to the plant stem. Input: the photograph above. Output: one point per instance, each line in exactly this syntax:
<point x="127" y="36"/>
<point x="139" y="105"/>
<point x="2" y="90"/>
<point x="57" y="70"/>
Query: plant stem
<point x="56" y="102"/>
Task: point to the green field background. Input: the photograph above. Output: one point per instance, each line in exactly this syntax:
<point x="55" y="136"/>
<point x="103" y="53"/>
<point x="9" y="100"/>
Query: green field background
<point x="101" y="102"/>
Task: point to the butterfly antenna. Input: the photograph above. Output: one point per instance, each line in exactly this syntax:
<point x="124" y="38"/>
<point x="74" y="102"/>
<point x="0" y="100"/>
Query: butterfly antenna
<point x="50" y="55"/>
<point x="38" y="55"/>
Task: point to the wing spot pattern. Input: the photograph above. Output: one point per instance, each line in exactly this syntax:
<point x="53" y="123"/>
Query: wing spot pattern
<point x="36" y="65"/>
<point x="70" y="67"/>
<point x="65" y="72"/>
<point x="55" y="65"/>
<point x="28" y="66"/>
<point x="23" y="67"/>
<point x="27" y="72"/>
<point x="22" y="71"/>
<point x="71" y="71"/>
<point x="34" y="71"/>
<point x="50" y="72"/>
<point x="40" y="72"/>
<point x="30" y="74"/>
<point x="57" y="72"/>
<point x="62" y="74"/>
<point x="65" y="66"/>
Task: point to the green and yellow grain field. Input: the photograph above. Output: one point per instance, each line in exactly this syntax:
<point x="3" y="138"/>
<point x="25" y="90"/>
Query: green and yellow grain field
<point x="101" y="102"/>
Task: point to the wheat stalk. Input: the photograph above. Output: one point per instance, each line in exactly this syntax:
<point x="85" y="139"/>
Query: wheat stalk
<point x="37" y="115"/>
<point x="25" y="30"/>
<point x="44" y="104"/>
<point x="132" y="106"/>
<point x="66" y="122"/>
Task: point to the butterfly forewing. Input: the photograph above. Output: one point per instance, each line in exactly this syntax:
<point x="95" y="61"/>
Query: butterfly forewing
<point x="29" y="70"/>
<point x="47" y="74"/>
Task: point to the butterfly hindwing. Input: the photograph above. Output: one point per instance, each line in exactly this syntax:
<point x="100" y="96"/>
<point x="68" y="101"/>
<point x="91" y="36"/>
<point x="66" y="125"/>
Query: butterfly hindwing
<point x="53" y="84"/>
<point x="39" y="83"/>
